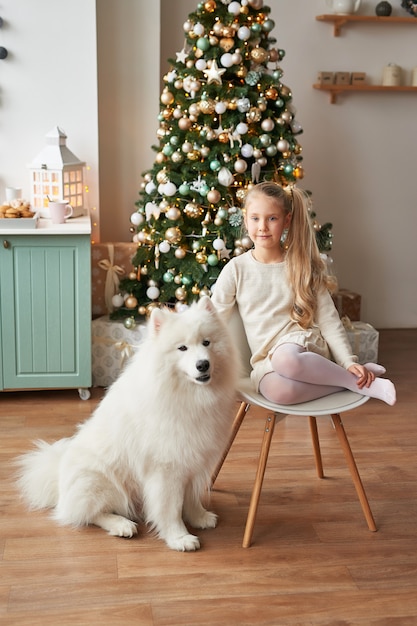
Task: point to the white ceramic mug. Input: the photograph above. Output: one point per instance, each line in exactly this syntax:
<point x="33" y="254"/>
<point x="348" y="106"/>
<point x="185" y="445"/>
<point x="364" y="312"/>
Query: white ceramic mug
<point x="344" y="7"/>
<point x="59" y="211"/>
<point x="13" y="193"/>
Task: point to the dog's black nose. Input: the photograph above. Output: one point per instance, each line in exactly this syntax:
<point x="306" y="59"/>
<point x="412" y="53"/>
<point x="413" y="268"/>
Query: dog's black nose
<point x="202" y="365"/>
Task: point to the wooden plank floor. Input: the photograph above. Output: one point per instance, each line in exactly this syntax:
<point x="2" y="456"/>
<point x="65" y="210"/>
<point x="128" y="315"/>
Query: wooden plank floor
<point x="313" y="560"/>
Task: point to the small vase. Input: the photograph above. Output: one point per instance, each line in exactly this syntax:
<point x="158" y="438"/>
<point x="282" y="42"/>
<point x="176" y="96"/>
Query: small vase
<point x="383" y="9"/>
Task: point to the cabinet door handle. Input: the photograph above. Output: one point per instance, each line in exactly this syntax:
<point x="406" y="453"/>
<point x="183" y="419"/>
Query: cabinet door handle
<point x="6" y="244"/>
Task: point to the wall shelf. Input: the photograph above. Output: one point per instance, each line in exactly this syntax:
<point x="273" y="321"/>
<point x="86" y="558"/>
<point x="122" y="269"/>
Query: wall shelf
<point x="341" y="20"/>
<point x="335" y="90"/>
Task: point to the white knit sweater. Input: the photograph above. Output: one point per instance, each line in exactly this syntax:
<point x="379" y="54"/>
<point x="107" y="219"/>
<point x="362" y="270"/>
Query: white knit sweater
<point x="263" y="296"/>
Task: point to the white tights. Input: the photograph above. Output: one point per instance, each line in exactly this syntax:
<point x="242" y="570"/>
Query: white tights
<point x="300" y="376"/>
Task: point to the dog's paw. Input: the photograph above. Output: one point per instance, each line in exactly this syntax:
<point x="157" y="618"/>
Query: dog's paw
<point x="186" y="543"/>
<point x="123" y="527"/>
<point x="205" y="520"/>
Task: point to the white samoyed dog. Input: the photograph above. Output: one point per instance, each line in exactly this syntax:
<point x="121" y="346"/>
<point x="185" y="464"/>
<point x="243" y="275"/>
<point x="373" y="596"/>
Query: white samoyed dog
<point x="148" y="450"/>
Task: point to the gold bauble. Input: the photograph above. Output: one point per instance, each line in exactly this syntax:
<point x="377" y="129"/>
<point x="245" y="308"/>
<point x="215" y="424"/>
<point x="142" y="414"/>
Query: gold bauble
<point x="218" y="28"/>
<point x="210" y="6"/>
<point x="201" y="257"/>
<point x="227" y="43"/>
<point x="259" y="55"/>
<point x="142" y="310"/>
<point x="241" y="195"/>
<point x="223" y="137"/>
<point x="285" y="91"/>
<point x="228" y="31"/>
<point x="273" y="55"/>
<point x="299" y="172"/>
<point x="232" y="104"/>
<point x="213" y="196"/>
<point x="253" y="115"/>
<point x="195" y="289"/>
<point x="132" y="276"/>
<point x="131" y="302"/>
<point x="184" y="123"/>
<point x="180" y="253"/>
<point x="193" y="210"/>
<point x="194" y="155"/>
<point x="160" y="157"/>
<point x="180" y="294"/>
<point x="167" y="97"/>
<point x="297" y="149"/>
<point x="162" y="176"/>
<point x="207" y="107"/>
<point x="271" y="93"/>
<point x="241" y="72"/>
<point x="173" y="234"/>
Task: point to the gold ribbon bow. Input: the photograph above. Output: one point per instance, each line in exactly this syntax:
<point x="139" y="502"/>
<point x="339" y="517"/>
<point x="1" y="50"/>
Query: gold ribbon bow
<point x="112" y="277"/>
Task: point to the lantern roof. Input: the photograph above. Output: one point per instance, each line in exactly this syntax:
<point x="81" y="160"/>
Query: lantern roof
<point x="55" y="154"/>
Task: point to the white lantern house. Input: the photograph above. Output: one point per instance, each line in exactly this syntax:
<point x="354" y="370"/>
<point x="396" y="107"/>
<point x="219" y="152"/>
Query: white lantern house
<point x="56" y="174"/>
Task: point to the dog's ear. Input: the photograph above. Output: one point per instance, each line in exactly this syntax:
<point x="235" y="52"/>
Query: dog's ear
<point x="156" y="321"/>
<point x="206" y="304"/>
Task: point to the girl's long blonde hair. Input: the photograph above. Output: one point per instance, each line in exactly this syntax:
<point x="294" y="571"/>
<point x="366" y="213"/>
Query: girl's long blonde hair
<point x="306" y="269"/>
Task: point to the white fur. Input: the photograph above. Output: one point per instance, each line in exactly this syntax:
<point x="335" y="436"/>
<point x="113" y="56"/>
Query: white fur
<point x="150" y="446"/>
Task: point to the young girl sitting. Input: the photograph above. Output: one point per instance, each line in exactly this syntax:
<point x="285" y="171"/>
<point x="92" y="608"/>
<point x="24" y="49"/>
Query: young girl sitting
<point x="300" y="350"/>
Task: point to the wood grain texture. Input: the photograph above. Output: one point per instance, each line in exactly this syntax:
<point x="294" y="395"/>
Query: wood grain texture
<point x="313" y="561"/>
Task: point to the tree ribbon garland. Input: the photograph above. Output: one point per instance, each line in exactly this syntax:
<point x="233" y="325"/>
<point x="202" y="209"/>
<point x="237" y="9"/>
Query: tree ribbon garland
<point x="112" y="277"/>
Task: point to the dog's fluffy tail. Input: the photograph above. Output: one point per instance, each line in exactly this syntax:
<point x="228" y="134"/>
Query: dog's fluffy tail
<point x="38" y="474"/>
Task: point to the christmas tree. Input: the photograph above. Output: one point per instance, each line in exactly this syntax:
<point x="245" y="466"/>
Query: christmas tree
<point x="226" y="122"/>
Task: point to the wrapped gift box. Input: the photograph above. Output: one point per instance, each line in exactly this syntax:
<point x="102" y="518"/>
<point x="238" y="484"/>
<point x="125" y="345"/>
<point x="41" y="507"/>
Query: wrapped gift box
<point x="112" y="346"/>
<point x="348" y="303"/>
<point x="364" y="340"/>
<point x="109" y="263"/>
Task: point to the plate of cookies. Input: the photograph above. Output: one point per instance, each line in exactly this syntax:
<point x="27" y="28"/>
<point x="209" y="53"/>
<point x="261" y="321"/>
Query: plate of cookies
<point x="18" y="214"/>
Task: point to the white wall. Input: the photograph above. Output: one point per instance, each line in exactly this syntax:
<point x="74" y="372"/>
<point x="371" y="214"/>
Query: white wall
<point x="359" y="155"/>
<point x="49" y="78"/>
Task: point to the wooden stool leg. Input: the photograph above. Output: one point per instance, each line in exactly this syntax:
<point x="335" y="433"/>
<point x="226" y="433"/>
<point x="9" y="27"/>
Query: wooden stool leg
<point x="256" y="492"/>
<point x="237" y="422"/>
<point x="354" y="471"/>
<point x="316" y="446"/>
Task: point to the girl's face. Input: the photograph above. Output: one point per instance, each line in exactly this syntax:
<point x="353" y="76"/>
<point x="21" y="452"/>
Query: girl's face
<point x="265" y="221"/>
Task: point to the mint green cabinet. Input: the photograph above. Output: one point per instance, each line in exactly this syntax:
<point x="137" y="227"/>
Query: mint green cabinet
<point x="45" y="311"/>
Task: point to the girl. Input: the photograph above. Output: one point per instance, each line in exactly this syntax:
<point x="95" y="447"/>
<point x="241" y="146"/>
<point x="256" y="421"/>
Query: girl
<point x="300" y="350"/>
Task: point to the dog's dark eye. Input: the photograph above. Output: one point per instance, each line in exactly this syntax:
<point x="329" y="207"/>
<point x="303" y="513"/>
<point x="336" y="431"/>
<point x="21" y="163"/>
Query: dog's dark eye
<point x="206" y="342"/>
<point x="182" y="348"/>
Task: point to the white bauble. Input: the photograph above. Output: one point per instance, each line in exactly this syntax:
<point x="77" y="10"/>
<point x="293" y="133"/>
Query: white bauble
<point x="226" y="59"/>
<point x="244" y="33"/>
<point x="150" y="187"/>
<point x="117" y="300"/>
<point x="164" y="247"/>
<point x="234" y="8"/>
<point x="153" y="293"/>
<point x="218" y="244"/>
<point x="220" y="107"/>
<point x="136" y="219"/>
<point x="200" y="64"/>
<point x="246" y="150"/>
<point x="170" y="189"/>
<point x="242" y="128"/>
